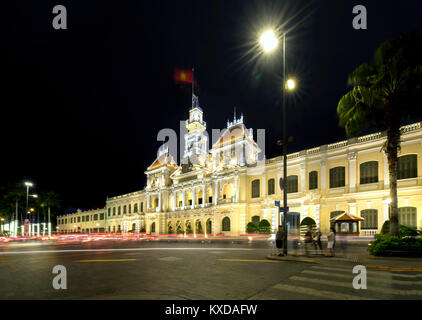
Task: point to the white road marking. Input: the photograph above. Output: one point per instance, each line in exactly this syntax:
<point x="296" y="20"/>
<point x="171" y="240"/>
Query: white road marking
<point x="350" y="277"/>
<point x="121" y="249"/>
<point x="376" y="273"/>
<point x="318" y="293"/>
<point x="383" y="290"/>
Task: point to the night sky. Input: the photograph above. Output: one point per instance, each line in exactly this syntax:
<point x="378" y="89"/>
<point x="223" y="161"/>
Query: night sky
<point x="81" y="108"/>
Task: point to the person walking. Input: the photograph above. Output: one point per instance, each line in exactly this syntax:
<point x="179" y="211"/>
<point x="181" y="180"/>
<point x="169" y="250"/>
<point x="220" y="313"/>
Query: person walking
<point x="331" y="236"/>
<point x="317" y="241"/>
<point x="279" y="241"/>
<point x="308" y="239"/>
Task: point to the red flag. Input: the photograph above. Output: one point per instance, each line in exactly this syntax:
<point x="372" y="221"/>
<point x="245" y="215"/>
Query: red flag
<point x="182" y="76"/>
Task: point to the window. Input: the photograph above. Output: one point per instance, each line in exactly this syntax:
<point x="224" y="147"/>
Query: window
<point x="142" y="207"/>
<point x="87" y="218"/>
<point x="369" y="172"/>
<point x="371" y="219"/>
<point x="180" y="203"/>
<point x="95" y="217"/>
<point x="101" y="216"/>
<point x="226" y="224"/>
<point x="271" y="186"/>
<point x="210" y="199"/>
<point x="135" y="207"/>
<point x="124" y="209"/>
<point x="407" y="167"/>
<point x="119" y="210"/>
<point x="153" y="227"/>
<point x="79" y="219"/>
<point x="345" y="227"/>
<point x="130" y="208"/>
<point x="199" y="200"/>
<point x="292" y="184"/>
<point x="109" y="212"/>
<point x="337" y="177"/>
<point x="65" y="221"/>
<point x="255" y="189"/>
<point x="407" y="216"/>
<point x="114" y="211"/>
<point x="83" y="218"/>
<point x="190" y="202"/>
<point x="313" y="180"/>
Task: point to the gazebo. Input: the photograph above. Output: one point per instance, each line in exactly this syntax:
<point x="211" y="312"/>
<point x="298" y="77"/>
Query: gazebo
<point x="346" y="224"/>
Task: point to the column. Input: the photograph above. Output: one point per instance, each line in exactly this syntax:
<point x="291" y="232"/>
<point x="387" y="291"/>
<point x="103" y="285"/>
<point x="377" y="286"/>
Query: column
<point x="264" y="185"/>
<point x="183" y="199"/>
<point x="303" y="176"/>
<point x="317" y="215"/>
<point x="352" y="208"/>
<point x="159" y="202"/>
<point x="352" y="170"/>
<point x="174" y="200"/>
<point x="148" y="201"/>
<point x="386" y="171"/>
<point x="215" y="192"/>
<point x="323" y="173"/>
<point x="277" y="183"/>
<point x="236" y="187"/>
<point x="204" y="196"/>
<point x="386" y="210"/>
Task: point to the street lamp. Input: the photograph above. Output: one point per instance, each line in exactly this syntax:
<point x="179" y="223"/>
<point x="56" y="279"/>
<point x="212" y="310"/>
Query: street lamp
<point x="27" y="184"/>
<point x="269" y="42"/>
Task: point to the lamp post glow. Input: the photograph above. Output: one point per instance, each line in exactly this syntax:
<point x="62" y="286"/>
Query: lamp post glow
<point x="269" y="42"/>
<point x="27" y="184"/>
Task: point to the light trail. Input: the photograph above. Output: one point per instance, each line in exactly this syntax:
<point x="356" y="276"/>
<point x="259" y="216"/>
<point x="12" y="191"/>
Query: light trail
<point x="121" y="249"/>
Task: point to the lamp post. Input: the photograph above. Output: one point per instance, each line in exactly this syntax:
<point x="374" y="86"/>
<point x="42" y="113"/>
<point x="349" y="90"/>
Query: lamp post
<point x="269" y="42"/>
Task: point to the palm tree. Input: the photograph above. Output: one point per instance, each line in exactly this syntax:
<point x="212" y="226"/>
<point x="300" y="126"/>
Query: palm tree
<point x="385" y="93"/>
<point x="10" y="196"/>
<point x="49" y="200"/>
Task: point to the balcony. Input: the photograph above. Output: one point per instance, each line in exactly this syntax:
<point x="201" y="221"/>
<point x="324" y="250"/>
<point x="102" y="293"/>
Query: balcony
<point x="225" y="201"/>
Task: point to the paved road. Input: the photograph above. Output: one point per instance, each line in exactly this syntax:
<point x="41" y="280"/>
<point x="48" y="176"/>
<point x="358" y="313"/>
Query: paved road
<point x="168" y="270"/>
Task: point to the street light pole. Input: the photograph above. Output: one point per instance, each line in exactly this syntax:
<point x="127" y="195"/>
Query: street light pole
<point x="284" y="149"/>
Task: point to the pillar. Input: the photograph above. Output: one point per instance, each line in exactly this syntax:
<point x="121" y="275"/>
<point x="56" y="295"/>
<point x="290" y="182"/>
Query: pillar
<point x="215" y="192"/>
<point x="204" y="196"/>
<point x="352" y="170"/>
<point x="236" y="187"/>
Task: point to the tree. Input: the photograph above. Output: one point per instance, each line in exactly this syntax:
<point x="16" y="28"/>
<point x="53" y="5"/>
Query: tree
<point x="385" y="93"/>
<point x="251" y="227"/>
<point x="264" y="226"/>
<point x="11" y="198"/>
<point x="49" y="200"/>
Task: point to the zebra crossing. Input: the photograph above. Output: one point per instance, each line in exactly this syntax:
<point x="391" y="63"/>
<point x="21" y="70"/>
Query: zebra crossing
<point x="336" y="282"/>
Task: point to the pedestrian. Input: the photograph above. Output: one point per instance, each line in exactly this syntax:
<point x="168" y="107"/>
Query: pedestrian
<point x="331" y="236"/>
<point x="308" y="239"/>
<point x="317" y="241"/>
<point x="279" y="241"/>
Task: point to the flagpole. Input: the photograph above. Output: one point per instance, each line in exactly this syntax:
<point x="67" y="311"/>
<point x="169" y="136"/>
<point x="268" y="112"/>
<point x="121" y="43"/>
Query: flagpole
<point x="193" y="93"/>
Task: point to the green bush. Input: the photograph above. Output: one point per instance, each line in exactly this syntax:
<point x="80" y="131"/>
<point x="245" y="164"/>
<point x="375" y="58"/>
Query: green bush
<point x="386" y="245"/>
<point x="264" y="226"/>
<point x="251" y="227"/>
<point x="405" y="231"/>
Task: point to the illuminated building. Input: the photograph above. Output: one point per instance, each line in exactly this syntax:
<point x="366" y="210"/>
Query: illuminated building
<point x="222" y="189"/>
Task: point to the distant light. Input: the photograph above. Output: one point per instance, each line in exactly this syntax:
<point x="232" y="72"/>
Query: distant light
<point x="32" y="209"/>
<point x="28" y="184"/>
<point x="268" y="41"/>
<point x="34" y="195"/>
<point x="291" y="84"/>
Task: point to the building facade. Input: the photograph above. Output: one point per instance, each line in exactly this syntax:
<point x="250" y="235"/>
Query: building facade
<point x="221" y="189"/>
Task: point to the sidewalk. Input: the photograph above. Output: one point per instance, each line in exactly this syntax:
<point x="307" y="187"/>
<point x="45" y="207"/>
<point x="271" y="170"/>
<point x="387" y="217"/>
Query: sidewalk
<point x="370" y="261"/>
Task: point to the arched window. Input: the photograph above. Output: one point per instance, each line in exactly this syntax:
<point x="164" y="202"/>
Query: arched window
<point x="271" y="186"/>
<point x="255" y="188"/>
<point x="209" y="226"/>
<point x="369" y="172"/>
<point x="337" y="177"/>
<point x="142" y="207"/>
<point x="130" y="208"/>
<point x="371" y="219"/>
<point x="255" y="220"/>
<point x="124" y="209"/>
<point x="292" y="184"/>
<point x="153" y="227"/>
<point x="407" y="216"/>
<point x="114" y="211"/>
<point x="313" y="180"/>
<point x="407" y="166"/>
<point x="135" y="207"/>
<point x="226" y="224"/>
<point x="119" y="212"/>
